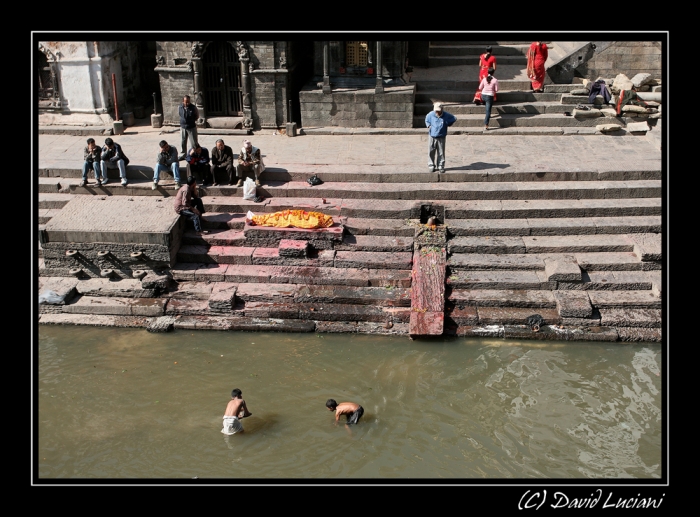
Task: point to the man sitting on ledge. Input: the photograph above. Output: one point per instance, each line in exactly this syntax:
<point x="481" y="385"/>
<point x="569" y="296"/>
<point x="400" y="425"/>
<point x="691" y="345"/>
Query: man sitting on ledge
<point x="188" y="204"/>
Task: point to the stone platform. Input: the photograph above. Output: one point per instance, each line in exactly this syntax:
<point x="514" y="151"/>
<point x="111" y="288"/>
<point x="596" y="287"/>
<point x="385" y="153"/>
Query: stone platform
<point x="112" y="236"/>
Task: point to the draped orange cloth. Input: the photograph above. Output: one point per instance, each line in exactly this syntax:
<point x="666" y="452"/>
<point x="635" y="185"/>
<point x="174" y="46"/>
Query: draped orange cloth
<point x="294" y="218"/>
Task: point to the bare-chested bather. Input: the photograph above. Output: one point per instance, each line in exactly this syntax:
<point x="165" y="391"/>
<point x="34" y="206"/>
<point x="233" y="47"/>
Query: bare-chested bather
<point x="350" y="409"/>
<point x="235" y="410"/>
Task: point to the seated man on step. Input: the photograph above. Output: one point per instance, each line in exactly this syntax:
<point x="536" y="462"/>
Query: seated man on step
<point x="166" y="160"/>
<point x="249" y="161"/>
<point x="188" y="204"/>
<point x="113" y="157"/>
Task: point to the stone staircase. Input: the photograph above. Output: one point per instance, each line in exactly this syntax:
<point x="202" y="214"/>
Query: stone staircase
<point x="452" y="78"/>
<point x="581" y="250"/>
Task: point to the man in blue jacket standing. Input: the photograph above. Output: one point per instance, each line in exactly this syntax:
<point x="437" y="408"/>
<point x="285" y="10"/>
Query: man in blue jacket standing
<point x="437" y="122"/>
<point x="188" y="125"/>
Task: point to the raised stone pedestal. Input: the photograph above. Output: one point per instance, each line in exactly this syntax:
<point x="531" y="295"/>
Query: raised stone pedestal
<point x="116" y="233"/>
<point x="157" y="120"/>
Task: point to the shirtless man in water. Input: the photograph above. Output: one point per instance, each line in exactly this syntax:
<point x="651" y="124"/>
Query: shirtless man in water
<point x="350" y="409"/>
<point x="235" y="410"/>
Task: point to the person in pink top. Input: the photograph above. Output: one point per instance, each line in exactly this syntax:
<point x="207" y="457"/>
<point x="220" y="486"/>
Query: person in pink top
<point x="488" y="88"/>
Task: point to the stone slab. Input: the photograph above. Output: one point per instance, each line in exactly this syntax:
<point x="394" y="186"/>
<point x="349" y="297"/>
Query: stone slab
<point x="266" y="292"/>
<point x="486" y="245"/>
<point x="652" y="335"/>
<point x="380" y="296"/>
<point x="374" y="260"/>
<point x="141" y="219"/>
<point x="117" y="306"/>
<point x="187" y="307"/>
<point x="625" y="299"/>
<point x="106" y="287"/>
<point x="573" y="304"/>
<point x="271" y="256"/>
<point x="647" y="246"/>
<point x="501" y="279"/>
<point x="333" y="233"/>
<point x="187" y="290"/>
<point x="293" y="248"/>
<point x="488" y="261"/>
<point x="649" y="318"/>
<point x="502" y="298"/>
<point x="64" y="290"/>
<point x="562" y="268"/>
<point x="375" y="243"/>
<point x="362" y="327"/>
<point x="222" y="298"/>
<point x="94" y="320"/>
<point x="231" y="254"/>
<point x="576" y="243"/>
<point x="461" y="316"/>
<point x="515" y="315"/>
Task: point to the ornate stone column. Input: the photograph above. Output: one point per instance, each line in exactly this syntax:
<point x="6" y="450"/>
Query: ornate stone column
<point x="326" y="77"/>
<point x="52" y="59"/>
<point x="197" y="52"/>
<point x="246" y="68"/>
<point x="379" y="87"/>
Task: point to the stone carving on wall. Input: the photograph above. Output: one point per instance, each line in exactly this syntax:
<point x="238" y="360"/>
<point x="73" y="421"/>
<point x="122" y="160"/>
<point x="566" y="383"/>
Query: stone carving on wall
<point x="160" y="60"/>
<point x="283" y="61"/>
<point x="189" y="66"/>
<point x="247" y="123"/>
<point x="242" y="50"/>
<point x="53" y="97"/>
<point x="197" y="49"/>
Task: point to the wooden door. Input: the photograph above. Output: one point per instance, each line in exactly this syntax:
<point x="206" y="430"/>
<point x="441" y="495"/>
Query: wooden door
<point x="223" y="91"/>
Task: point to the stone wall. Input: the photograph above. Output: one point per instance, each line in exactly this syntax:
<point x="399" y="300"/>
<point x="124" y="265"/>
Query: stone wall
<point x="84" y="74"/>
<point x="623" y="57"/>
<point x="176" y="77"/>
<point x="358" y="108"/>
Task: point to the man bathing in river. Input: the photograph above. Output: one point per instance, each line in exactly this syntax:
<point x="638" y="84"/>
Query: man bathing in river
<point x="350" y="409"/>
<point x="235" y="410"/>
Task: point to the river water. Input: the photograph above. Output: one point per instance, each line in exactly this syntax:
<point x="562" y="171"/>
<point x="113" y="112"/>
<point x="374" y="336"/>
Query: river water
<point x="125" y="403"/>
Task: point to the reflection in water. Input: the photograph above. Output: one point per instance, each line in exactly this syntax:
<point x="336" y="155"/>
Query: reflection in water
<point x="124" y="403"/>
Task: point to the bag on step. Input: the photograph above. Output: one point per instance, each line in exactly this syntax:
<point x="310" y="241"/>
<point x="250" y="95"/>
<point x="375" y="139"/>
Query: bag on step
<point x="314" y="180"/>
<point x="249" y="190"/>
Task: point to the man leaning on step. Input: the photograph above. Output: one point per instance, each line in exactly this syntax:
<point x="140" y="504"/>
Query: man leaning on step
<point x="91" y="161"/>
<point x="113" y="157"/>
<point x="249" y="161"/>
<point x="167" y="159"/>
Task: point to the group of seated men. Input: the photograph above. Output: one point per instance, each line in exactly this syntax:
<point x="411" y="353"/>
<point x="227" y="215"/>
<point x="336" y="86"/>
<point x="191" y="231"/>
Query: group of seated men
<point x="205" y="169"/>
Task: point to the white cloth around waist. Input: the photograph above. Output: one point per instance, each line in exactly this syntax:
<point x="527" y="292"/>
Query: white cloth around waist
<point x="232" y="425"/>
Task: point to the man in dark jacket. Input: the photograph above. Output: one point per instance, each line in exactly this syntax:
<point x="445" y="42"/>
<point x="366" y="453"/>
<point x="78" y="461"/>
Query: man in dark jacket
<point x="188" y="124"/>
<point x="198" y="163"/>
<point x="222" y="158"/>
<point x="113" y="157"/>
<point x="166" y="161"/>
<point x="91" y="160"/>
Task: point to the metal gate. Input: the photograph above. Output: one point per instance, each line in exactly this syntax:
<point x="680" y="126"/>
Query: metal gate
<point x="223" y="92"/>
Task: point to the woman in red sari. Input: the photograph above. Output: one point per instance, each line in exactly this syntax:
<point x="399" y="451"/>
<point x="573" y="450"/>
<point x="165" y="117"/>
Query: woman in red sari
<point x="536" y="57"/>
<point x="486" y="61"/>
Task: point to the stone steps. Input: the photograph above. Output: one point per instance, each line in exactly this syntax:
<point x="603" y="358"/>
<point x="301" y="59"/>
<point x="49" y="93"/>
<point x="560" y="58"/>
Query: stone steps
<point x="601" y="261"/>
<point x="512" y="108"/>
<point x="539" y="280"/>
<point x="542" y="244"/>
<point x="554" y="226"/>
<point x="554" y="122"/>
<point x="439" y="48"/>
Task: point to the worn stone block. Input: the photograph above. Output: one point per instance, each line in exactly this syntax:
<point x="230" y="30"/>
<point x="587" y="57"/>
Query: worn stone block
<point x="573" y="304"/>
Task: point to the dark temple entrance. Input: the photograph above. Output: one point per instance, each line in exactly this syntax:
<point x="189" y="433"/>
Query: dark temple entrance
<point x="222" y="80"/>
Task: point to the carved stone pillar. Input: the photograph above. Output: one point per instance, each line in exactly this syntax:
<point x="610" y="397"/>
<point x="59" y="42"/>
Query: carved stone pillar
<point x="52" y="60"/>
<point x="246" y="67"/>
<point x="326" y="77"/>
<point x="379" y="87"/>
<point x="197" y="52"/>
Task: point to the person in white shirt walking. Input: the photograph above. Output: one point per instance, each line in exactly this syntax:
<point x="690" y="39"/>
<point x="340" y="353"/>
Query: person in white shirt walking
<point x="488" y="88"/>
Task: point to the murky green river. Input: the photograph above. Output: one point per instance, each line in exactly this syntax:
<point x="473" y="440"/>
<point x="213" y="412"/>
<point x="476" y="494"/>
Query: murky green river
<point x="125" y="403"/>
